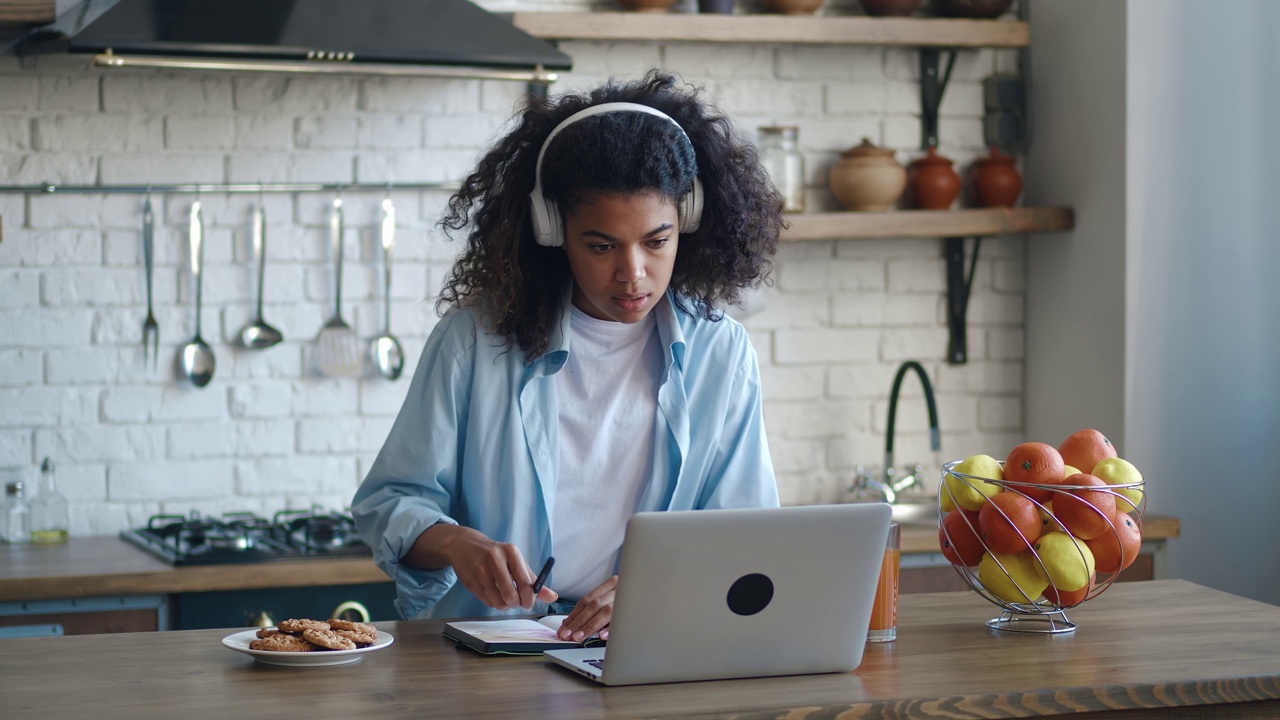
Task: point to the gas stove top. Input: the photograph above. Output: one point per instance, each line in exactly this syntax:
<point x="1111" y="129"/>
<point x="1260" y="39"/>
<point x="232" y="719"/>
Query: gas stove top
<point x="248" y="538"/>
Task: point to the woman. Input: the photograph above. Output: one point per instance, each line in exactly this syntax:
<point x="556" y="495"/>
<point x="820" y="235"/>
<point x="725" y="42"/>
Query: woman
<point x="582" y="371"/>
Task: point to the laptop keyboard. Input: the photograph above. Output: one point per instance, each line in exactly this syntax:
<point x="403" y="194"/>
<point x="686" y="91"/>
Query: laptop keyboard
<point x="597" y="663"/>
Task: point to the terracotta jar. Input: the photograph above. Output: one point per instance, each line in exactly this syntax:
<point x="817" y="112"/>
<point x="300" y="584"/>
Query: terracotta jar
<point x="994" y="181"/>
<point x="934" y="184"/>
<point x="867" y="178"/>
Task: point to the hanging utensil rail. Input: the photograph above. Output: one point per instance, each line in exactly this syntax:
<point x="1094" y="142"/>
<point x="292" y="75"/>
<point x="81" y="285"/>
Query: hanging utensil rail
<point x="196" y="188"/>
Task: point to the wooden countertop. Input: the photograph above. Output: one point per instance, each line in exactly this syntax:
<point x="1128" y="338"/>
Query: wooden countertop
<point x="1160" y="649"/>
<point x="100" y="566"/>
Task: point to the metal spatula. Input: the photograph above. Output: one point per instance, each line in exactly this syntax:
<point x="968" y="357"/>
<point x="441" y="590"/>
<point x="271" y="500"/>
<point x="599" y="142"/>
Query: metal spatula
<point x="338" y="346"/>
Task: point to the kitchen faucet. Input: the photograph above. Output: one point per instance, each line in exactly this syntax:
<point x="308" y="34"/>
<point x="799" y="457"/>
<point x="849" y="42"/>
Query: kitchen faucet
<point x="889" y="487"/>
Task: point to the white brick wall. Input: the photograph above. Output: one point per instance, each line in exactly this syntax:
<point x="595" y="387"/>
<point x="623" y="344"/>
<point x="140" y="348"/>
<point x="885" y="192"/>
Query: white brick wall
<point x="269" y="433"/>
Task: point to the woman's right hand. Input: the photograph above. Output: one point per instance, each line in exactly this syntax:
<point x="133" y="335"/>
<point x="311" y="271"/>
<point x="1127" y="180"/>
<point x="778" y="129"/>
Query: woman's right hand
<point x="494" y="572"/>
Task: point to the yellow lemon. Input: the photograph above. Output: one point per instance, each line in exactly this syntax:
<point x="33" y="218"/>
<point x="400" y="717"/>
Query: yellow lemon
<point x="1070" y="471"/>
<point x="1065" y="562"/>
<point x="1117" y="471"/>
<point x="946" y="502"/>
<point x="1012" y="578"/>
<point x="970" y="493"/>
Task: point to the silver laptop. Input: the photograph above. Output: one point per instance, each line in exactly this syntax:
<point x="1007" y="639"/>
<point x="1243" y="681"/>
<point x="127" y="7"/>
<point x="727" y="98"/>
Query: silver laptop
<point x="713" y="594"/>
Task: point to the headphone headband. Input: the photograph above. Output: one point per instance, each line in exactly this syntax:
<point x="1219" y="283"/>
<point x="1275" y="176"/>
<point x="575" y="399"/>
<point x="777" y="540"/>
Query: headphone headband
<point x="545" y="216"/>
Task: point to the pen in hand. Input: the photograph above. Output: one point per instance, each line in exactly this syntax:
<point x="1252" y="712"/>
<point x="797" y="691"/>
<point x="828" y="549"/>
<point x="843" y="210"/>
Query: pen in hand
<point x="542" y="575"/>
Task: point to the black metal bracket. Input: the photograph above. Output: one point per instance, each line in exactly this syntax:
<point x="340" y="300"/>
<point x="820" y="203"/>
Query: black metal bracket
<point x="932" y="87"/>
<point x="958" y="287"/>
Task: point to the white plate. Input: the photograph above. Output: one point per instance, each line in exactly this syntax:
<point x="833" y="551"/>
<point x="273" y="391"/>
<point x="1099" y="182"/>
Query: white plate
<point x="240" y="643"/>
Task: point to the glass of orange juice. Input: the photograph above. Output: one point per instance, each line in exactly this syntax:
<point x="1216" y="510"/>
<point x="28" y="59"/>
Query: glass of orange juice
<point x="884" y="614"/>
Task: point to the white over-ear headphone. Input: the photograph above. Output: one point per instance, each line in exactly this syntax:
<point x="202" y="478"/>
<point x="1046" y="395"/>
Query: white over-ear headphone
<point x="548" y="229"/>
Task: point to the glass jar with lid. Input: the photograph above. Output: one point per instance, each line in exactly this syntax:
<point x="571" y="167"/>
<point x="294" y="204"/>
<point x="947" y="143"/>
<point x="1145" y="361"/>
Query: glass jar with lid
<point x="15" y="525"/>
<point x="780" y="155"/>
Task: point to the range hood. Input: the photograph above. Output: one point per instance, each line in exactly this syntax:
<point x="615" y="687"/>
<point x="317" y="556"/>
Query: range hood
<point x="441" y="38"/>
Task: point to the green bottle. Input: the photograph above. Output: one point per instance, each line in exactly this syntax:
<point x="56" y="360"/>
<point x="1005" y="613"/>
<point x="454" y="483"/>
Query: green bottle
<point x="49" y="516"/>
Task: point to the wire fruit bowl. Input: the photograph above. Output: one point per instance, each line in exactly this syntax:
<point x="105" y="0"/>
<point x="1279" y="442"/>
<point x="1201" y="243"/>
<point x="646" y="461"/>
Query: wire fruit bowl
<point x="1034" y="573"/>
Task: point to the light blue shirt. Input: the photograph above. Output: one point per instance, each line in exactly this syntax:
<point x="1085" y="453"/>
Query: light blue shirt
<point x="476" y="444"/>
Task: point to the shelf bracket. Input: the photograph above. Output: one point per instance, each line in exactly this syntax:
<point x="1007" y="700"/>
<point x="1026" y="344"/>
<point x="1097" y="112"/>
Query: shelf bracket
<point x="958" y="287"/>
<point x="932" y="87"/>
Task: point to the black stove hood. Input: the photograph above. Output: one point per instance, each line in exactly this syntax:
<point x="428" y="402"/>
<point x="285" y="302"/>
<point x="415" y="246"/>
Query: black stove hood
<point x="449" y="38"/>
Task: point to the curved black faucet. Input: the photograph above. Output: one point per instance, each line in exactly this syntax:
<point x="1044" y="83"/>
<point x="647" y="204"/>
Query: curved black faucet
<point x="934" y="439"/>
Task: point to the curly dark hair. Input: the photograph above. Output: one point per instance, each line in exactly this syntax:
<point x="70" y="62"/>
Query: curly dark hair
<point x="520" y="285"/>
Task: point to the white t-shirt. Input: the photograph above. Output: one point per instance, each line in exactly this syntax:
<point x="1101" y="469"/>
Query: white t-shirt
<point x="608" y="397"/>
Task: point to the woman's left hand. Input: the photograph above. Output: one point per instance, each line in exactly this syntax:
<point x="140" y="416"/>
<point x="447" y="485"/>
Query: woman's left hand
<point x="592" y="613"/>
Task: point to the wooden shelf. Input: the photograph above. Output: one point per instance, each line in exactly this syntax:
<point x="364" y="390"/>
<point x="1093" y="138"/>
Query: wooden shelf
<point x="926" y="223"/>
<point x="26" y="13"/>
<point x="802" y="29"/>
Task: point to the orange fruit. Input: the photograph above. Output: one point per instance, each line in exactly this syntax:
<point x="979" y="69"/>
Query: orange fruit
<point x="1065" y="599"/>
<point x="1086" y="448"/>
<point x="1085" y="513"/>
<point x="1034" y="462"/>
<point x="958" y="537"/>
<point x="1009" y="523"/>
<point x="1115" y="551"/>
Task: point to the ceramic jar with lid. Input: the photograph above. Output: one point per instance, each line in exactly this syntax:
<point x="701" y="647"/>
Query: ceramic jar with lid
<point x="867" y="178"/>
<point x="994" y="180"/>
<point x="933" y="181"/>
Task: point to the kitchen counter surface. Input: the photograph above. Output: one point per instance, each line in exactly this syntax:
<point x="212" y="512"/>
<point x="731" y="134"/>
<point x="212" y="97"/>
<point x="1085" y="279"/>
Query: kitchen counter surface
<point x="100" y="566"/>
<point x="1159" y="649"/>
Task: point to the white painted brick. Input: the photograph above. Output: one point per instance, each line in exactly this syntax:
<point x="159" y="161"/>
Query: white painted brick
<point x="49" y="168"/>
<point x="835" y="135"/>
<point x="92" y="288"/>
<point x="162" y="404"/>
<point x="329" y="435"/>
<point x="297" y="474"/>
<point x="719" y="60"/>
<point x="611" y="58"/>
<point x="199" y="132"/>
<point x="878" y="309"/>
<point x="917" y="276"/>
<point x="82" y="482"/>
<point x="373" y="432"/>
<point x="296" y="322"/>
<point x="285" y="94"/>
<point x="153" y="93"/>
<point x="902" y="98"/>
<point x="857" y="98"/>
<point x="325" y="397"/>
<point x="44" y="406"/>
<point x="15" y="447"/>
<point x="844" y="455"/>
<point x="46" y="327"/>
<point x="1006" y="61"/>
<point x="15" y="133"/>
<point x="230" y="439"/>
<point x="283" y="361"/>
<point x="1009" y="275"/>
<point x="94" y="519"/>
<point x="61" y="248"/>
<point x="357" y="283"/>
<point x="162" y="481"/>
<point x="144" y="169"/>
<point x="795" y="456"/>
<point x="787" y="101"/>
<point x="319" y="167"/>
<point x="261" y="400"/>
<point x="831" y="275"/>
<point x="263" y="132"/>
<point x="473" y="131"/>
<point x="963" y="133"/>
<point x="21" y="288"/>
<point x="1000" y="413"/>
<point x="390" y="132"/>
<point x="443" y="166"/>
<point x="792" y="383"/>
<point x="987" y="309"/>
<point x="791" y="310"/>
<point x="972" y="65"/>
<point x="808" y="347"/>
<point x="222" y="284"/>
<point x="20" y="367"/>
<point x="980" y="377"/>
<point x="382" y="397"/>
<point x="1004" y="343"/>
<point x="850" y="63"/>
<point x="903" y="64"/>
<point x="914" y="344"/>
<point x="962" y="100"/>
<point x="810" y="420"/>
<point x="123" y="326"/>
<point x="900" y="133"/>
<point x="420" y="95"/>
<point x="19" y="93"/>
<point x="99" y="365"/>
<point x="325" y="132"/>
<point x="87" y="133"/>
<point x="101" y="443"/>
<point x="503" y="98"/>
<point x="69" y="93"/>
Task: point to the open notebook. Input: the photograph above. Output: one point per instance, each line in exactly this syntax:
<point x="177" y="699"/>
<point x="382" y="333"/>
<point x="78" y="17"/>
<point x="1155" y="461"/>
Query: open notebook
<point x="711" y="594"/>
<point x="520" y="636"/>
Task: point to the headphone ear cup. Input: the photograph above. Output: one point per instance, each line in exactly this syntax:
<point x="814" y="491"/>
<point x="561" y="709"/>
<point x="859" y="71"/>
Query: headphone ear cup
<point x="691" y="208"/>
<point x="545" y="219"/>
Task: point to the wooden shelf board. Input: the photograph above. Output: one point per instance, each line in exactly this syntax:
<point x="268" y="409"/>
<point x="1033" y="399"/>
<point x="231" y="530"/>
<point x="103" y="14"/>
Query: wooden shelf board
<point x="803" y="29"/>
<point x="926" y="223"/>
<point x="18" y="13"/>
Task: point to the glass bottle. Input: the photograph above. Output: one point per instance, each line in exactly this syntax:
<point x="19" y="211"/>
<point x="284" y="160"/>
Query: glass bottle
<point x="780" y="155"/>
<point x="17" y="515"/>
<point x="49" y="516"/>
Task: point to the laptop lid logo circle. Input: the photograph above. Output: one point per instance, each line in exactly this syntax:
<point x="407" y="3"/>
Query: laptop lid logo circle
<point x="750" y="594"/>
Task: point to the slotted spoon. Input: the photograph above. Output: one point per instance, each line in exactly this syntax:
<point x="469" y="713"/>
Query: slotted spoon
<point x="338" y="346"/>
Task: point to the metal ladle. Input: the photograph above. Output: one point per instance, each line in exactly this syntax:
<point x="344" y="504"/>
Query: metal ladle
<point x="197" y="357"/>
<point x="259" y="335"/>
<point x="387" y="354"/>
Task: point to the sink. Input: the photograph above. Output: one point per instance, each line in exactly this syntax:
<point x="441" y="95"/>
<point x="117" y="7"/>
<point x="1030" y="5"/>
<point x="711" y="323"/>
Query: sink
<point x="921" y="514"/>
